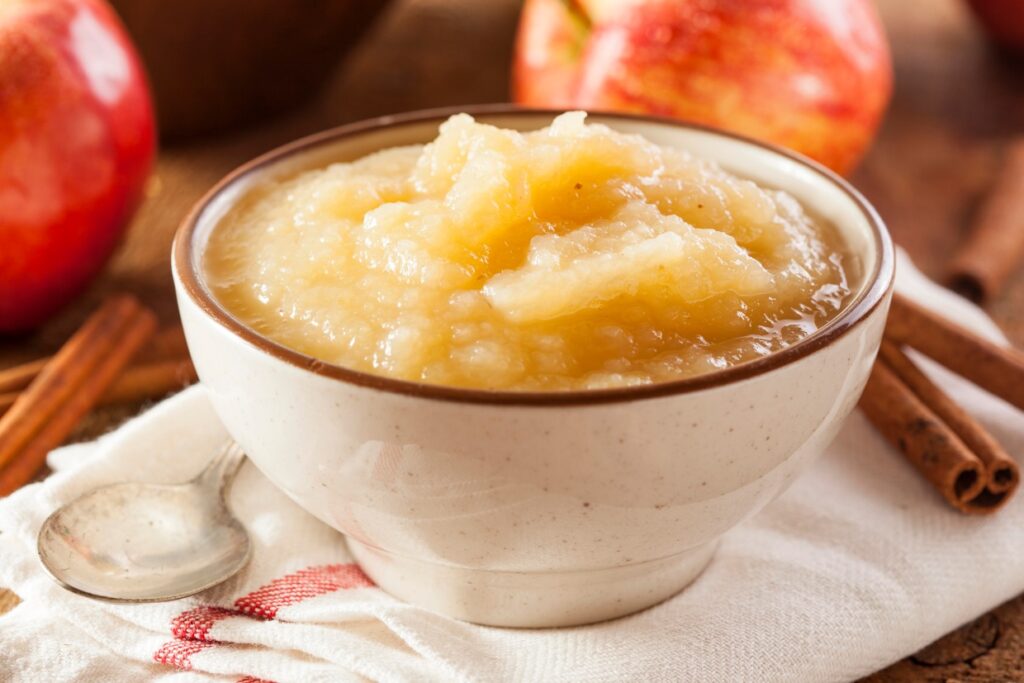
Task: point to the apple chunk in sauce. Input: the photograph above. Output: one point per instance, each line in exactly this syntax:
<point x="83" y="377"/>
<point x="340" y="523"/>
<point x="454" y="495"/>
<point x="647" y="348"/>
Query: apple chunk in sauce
<point x="571" y="257"/>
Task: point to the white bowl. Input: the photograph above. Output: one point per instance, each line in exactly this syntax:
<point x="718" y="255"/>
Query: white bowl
<point x="535" y="509"/>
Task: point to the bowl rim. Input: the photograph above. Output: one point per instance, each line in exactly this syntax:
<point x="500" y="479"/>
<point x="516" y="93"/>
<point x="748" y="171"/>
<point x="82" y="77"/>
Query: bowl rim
<point x="185" y="266"/>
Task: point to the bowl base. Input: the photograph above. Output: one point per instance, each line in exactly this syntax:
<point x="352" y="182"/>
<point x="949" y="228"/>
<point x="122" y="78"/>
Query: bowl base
<point x="532" y="599"/>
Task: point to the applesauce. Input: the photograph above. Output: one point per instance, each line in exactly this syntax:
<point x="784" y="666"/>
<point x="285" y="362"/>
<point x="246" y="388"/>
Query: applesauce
<point x="571" y="257"/>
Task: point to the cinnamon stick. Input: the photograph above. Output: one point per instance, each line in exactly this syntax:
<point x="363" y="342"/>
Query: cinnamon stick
<point x="1001" y="472"/>
<point x="168" y="343"/>
<point x="926" y="441"/>
<point x="150" y="381"/>
<point x="68" y="369"/>
<point x="69" y="386"/>
<point x="997" y="369"/>
<point x="20" y="376"/>
<point x="995" y="246"/>
<point x="137" y="383"/>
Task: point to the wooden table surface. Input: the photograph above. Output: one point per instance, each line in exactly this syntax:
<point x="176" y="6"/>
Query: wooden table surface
<point x="955" y="104"/>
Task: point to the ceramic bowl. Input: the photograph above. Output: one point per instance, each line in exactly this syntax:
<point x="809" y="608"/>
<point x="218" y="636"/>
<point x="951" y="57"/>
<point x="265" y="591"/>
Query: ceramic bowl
<point x="535" y="509"/>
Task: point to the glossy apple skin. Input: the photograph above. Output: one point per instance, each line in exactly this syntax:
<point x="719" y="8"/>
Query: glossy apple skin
<point x="77" y="140"/>
<point x="1003" y="20"/>
<point x="811" y="75"/>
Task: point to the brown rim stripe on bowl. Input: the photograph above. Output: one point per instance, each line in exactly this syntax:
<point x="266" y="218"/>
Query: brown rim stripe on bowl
<point x="184" y="261"/>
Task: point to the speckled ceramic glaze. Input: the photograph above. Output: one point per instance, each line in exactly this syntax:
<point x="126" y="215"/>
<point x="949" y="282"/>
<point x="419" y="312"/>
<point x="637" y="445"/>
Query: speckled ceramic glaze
<point x="535" y="509"/>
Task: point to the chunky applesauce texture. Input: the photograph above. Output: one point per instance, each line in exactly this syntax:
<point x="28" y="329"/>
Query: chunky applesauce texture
<point x="571" y="257"/>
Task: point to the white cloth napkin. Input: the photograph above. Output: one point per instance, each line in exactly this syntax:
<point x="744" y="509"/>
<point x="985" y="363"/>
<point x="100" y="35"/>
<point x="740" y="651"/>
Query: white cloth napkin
<point x="859" y="564"/>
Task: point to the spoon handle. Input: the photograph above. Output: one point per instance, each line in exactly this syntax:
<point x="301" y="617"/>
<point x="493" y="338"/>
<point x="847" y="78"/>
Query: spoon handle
<point x="222" y="469"/>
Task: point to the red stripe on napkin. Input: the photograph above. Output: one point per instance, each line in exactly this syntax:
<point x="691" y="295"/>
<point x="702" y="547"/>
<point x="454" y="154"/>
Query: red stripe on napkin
<point x="302" y="585"/>
<point x="178" y="653"/>
<point x="191" y="628"/>
<point x="195" y="624"/>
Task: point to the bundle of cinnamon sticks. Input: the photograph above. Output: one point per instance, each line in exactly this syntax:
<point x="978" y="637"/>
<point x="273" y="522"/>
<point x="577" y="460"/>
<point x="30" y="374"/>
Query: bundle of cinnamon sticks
<point x="967" y="466"/>
<point x="949" y="447"/>
<point x="43" y="401"/>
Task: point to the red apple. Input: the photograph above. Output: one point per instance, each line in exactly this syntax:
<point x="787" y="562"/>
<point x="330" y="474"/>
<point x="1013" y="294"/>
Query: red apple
<point x="812" y="75"/>
<point x="1003" y="20"/>
<point x="77" y="139"/>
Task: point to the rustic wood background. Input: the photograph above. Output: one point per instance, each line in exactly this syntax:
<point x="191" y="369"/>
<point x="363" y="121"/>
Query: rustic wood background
<point x="956" y="103"/>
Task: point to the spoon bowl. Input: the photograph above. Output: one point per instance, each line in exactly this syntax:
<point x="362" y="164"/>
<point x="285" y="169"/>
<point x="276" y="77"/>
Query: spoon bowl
<point x="141" y="542"/>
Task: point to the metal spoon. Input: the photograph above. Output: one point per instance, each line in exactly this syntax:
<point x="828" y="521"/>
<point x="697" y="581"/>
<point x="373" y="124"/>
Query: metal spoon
<point x="148" y="542"/>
